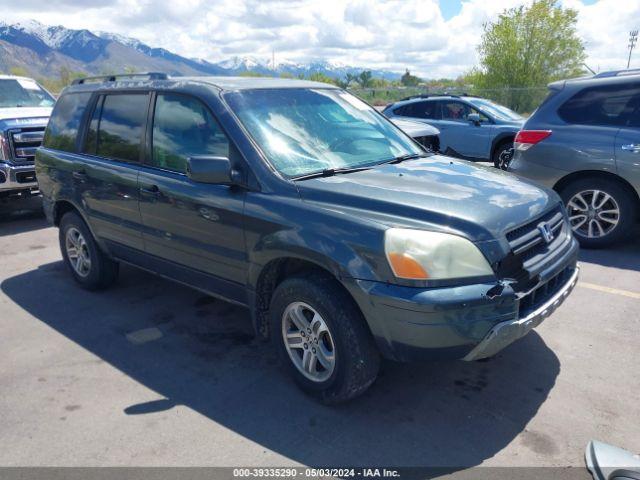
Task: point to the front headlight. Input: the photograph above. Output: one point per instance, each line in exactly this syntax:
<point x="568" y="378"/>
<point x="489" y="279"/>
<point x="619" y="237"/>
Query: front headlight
<point x="422" y="255"/>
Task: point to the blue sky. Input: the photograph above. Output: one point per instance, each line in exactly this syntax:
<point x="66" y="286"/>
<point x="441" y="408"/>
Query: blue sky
<point x="432" y="38"/>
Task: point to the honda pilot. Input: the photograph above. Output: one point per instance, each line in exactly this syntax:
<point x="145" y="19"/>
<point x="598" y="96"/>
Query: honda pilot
<point x="345" y="239"/>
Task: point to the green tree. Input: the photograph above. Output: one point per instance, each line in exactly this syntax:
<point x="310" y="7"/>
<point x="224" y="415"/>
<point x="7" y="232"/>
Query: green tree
<point x="526" y="48"/>
<point x="409" y="80"/>
<point x="19" y="71"/>
<point x="364" y="79"/>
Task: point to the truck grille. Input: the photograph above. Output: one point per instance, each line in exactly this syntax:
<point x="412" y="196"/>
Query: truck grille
<point x="24" y="142"/>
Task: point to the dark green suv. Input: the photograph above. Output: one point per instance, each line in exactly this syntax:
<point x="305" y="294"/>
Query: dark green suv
<point x="344" y="238"/>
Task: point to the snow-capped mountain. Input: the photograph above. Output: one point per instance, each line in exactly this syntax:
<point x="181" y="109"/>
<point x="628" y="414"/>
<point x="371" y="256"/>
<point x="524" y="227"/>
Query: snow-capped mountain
<point x="43" y="50"/>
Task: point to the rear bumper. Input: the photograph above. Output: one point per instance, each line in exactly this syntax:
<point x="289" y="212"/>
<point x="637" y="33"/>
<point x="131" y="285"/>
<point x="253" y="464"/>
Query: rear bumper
<point x="508" y="332"/>
<point x="17" y="177"/>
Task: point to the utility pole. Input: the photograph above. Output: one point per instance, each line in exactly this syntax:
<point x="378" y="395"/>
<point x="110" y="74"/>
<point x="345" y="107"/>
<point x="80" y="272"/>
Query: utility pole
<point x="633" y="38"/>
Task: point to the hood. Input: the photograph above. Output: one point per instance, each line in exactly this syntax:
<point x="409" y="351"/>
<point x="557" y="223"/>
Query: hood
<point x="415" y="129"/>
<point x="436" y="193"/>
<point x="17" y="113"/>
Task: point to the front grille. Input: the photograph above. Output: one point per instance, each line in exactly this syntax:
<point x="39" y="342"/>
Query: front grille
<point x="531" y="252"/>
<point x="24" y="142"/>
<point x="538" y="296"/>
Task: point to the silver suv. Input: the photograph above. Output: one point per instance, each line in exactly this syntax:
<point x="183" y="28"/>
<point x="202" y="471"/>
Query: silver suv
<point x="584" y="142"/>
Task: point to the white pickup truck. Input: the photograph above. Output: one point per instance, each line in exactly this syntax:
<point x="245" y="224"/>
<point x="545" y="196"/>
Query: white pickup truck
<point x="25" y="108"/>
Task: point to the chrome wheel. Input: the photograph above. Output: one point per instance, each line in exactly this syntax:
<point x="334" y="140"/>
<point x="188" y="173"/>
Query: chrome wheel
<point x="593" y="213"/>
<point x="308" y="341"/>
<point x="78" y="252"/>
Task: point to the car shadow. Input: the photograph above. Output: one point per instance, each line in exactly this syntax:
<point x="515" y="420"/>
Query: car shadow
<point x="624" y="255"/>
<point x="20" y="216"/>
<point x="199" y="352"/>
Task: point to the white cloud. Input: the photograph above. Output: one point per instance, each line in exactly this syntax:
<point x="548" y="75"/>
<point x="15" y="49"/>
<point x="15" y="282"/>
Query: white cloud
<point x="393" y="34"/>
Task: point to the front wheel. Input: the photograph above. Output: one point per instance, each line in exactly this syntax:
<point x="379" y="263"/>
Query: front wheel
<point x="321" y="336"/>
<point x="502" y="156"/>
<point x="601" y="211"/>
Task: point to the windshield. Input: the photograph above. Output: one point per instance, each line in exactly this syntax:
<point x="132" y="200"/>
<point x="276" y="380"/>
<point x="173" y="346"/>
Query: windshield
<point x="303" y="131"/>
<point x="497" y="111"/>
<point x="23" y="92"/>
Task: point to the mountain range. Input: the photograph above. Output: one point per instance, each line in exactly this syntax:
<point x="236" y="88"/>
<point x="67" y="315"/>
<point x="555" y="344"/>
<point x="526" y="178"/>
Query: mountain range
<point x="44" y="50"/>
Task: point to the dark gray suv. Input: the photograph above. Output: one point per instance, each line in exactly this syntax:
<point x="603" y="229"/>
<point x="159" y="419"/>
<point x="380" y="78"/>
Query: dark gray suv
<point x="584" y="142"/>
<point x="344" y="238"/>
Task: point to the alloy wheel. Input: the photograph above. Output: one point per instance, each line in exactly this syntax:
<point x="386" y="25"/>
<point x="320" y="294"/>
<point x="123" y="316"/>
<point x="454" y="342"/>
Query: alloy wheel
<point x="308" y="341"/>
<point x="78" y="252"/>
<point x="593" y="213"/>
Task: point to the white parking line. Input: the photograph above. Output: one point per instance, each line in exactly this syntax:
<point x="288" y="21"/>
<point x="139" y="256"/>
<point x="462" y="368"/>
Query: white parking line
<point x="615" y="291"/>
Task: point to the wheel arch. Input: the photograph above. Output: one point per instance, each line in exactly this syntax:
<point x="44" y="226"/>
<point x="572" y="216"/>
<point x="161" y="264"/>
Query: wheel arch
<point x="501" y="139"/>
<point x="272" y="274"/>
<point x="567" y="179"/>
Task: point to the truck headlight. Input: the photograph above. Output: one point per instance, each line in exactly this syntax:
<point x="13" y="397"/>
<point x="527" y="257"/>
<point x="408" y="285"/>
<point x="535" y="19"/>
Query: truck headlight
<point x="423" y="255"/>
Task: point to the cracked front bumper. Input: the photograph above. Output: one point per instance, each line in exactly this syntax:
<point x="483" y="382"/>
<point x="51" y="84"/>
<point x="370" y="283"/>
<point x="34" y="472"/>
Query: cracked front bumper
<point x="505" y="333"/>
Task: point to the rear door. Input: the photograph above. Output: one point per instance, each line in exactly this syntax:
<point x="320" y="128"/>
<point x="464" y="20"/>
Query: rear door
<point x="628" y="138"/>
<point x="459" y="134"/>
<point x="191" y="224"/>
<point x="107" y="179"/>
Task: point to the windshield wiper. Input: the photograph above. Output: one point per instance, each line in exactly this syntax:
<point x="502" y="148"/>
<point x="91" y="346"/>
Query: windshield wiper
<point x="402" y="158"/>
<point x="329" y="172"/>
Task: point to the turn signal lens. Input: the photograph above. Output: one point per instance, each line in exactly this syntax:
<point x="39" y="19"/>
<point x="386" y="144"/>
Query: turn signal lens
<point x="406" y="267"/>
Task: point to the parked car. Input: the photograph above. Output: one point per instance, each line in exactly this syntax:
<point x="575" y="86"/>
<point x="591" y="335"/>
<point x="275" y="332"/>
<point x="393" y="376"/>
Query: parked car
<point x="343" y="237"/>
<point x="25" y="107"/>
<point x="470" y="127"/>
<point x="424" y="134"/>
<point x="584" y="142"/>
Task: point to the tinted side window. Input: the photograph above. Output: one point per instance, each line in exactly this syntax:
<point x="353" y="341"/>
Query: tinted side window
<point x="65" y="121"/>
<point x="116" y="126"/>
<point x="419" y="110"/>
<point x="184" y="127"/>
<point x="609" y="105"/>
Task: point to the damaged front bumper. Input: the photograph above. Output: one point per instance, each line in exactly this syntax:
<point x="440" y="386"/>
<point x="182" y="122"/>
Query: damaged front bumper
<point x="508" y="332"/>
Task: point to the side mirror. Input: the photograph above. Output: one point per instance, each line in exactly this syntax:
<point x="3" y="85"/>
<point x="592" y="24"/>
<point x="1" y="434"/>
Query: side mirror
<point x="214" y="170"/>
<point x="474" y="118"/>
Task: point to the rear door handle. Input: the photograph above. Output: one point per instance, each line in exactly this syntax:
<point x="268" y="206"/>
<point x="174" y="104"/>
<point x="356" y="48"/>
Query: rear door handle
<point x="631" y="147"/>
<point x="80" y="175"/>
<point x="152" y="191"/>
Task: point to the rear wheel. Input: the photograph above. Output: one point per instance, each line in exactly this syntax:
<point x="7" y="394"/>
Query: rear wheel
<point x="321" y="336"/>
<point x="601" y="211"/>
<point x="89" y="265"/>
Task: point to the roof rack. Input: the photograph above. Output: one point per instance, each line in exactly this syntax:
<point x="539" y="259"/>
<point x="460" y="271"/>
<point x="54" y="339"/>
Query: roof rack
<point x="420" y="95"/>
<point x="618" y="73"/>
<point x="121" y="76"/>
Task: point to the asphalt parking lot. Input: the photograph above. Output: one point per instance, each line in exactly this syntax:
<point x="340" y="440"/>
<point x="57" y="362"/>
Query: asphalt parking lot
<point x="153" y="373"/>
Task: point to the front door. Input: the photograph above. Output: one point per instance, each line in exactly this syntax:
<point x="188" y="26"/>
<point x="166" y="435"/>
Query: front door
<point x="194" y="225"/>
<point x="461" y="135"/>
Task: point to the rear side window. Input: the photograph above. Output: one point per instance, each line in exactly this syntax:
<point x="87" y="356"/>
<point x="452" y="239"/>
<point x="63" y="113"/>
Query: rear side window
<point x="62" y="130"/>
<point x="184" y="127"/>
<point x="427" y="110"/>
<point x="608" y="105"/>
<point x="116" y="127"/>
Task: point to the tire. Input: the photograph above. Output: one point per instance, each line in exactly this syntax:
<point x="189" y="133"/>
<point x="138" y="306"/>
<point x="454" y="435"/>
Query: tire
<point x="621" y="199"/>
<point x="101" y="271"/>
<point x="503" y="155"/>
<point x="356" y="360"/>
